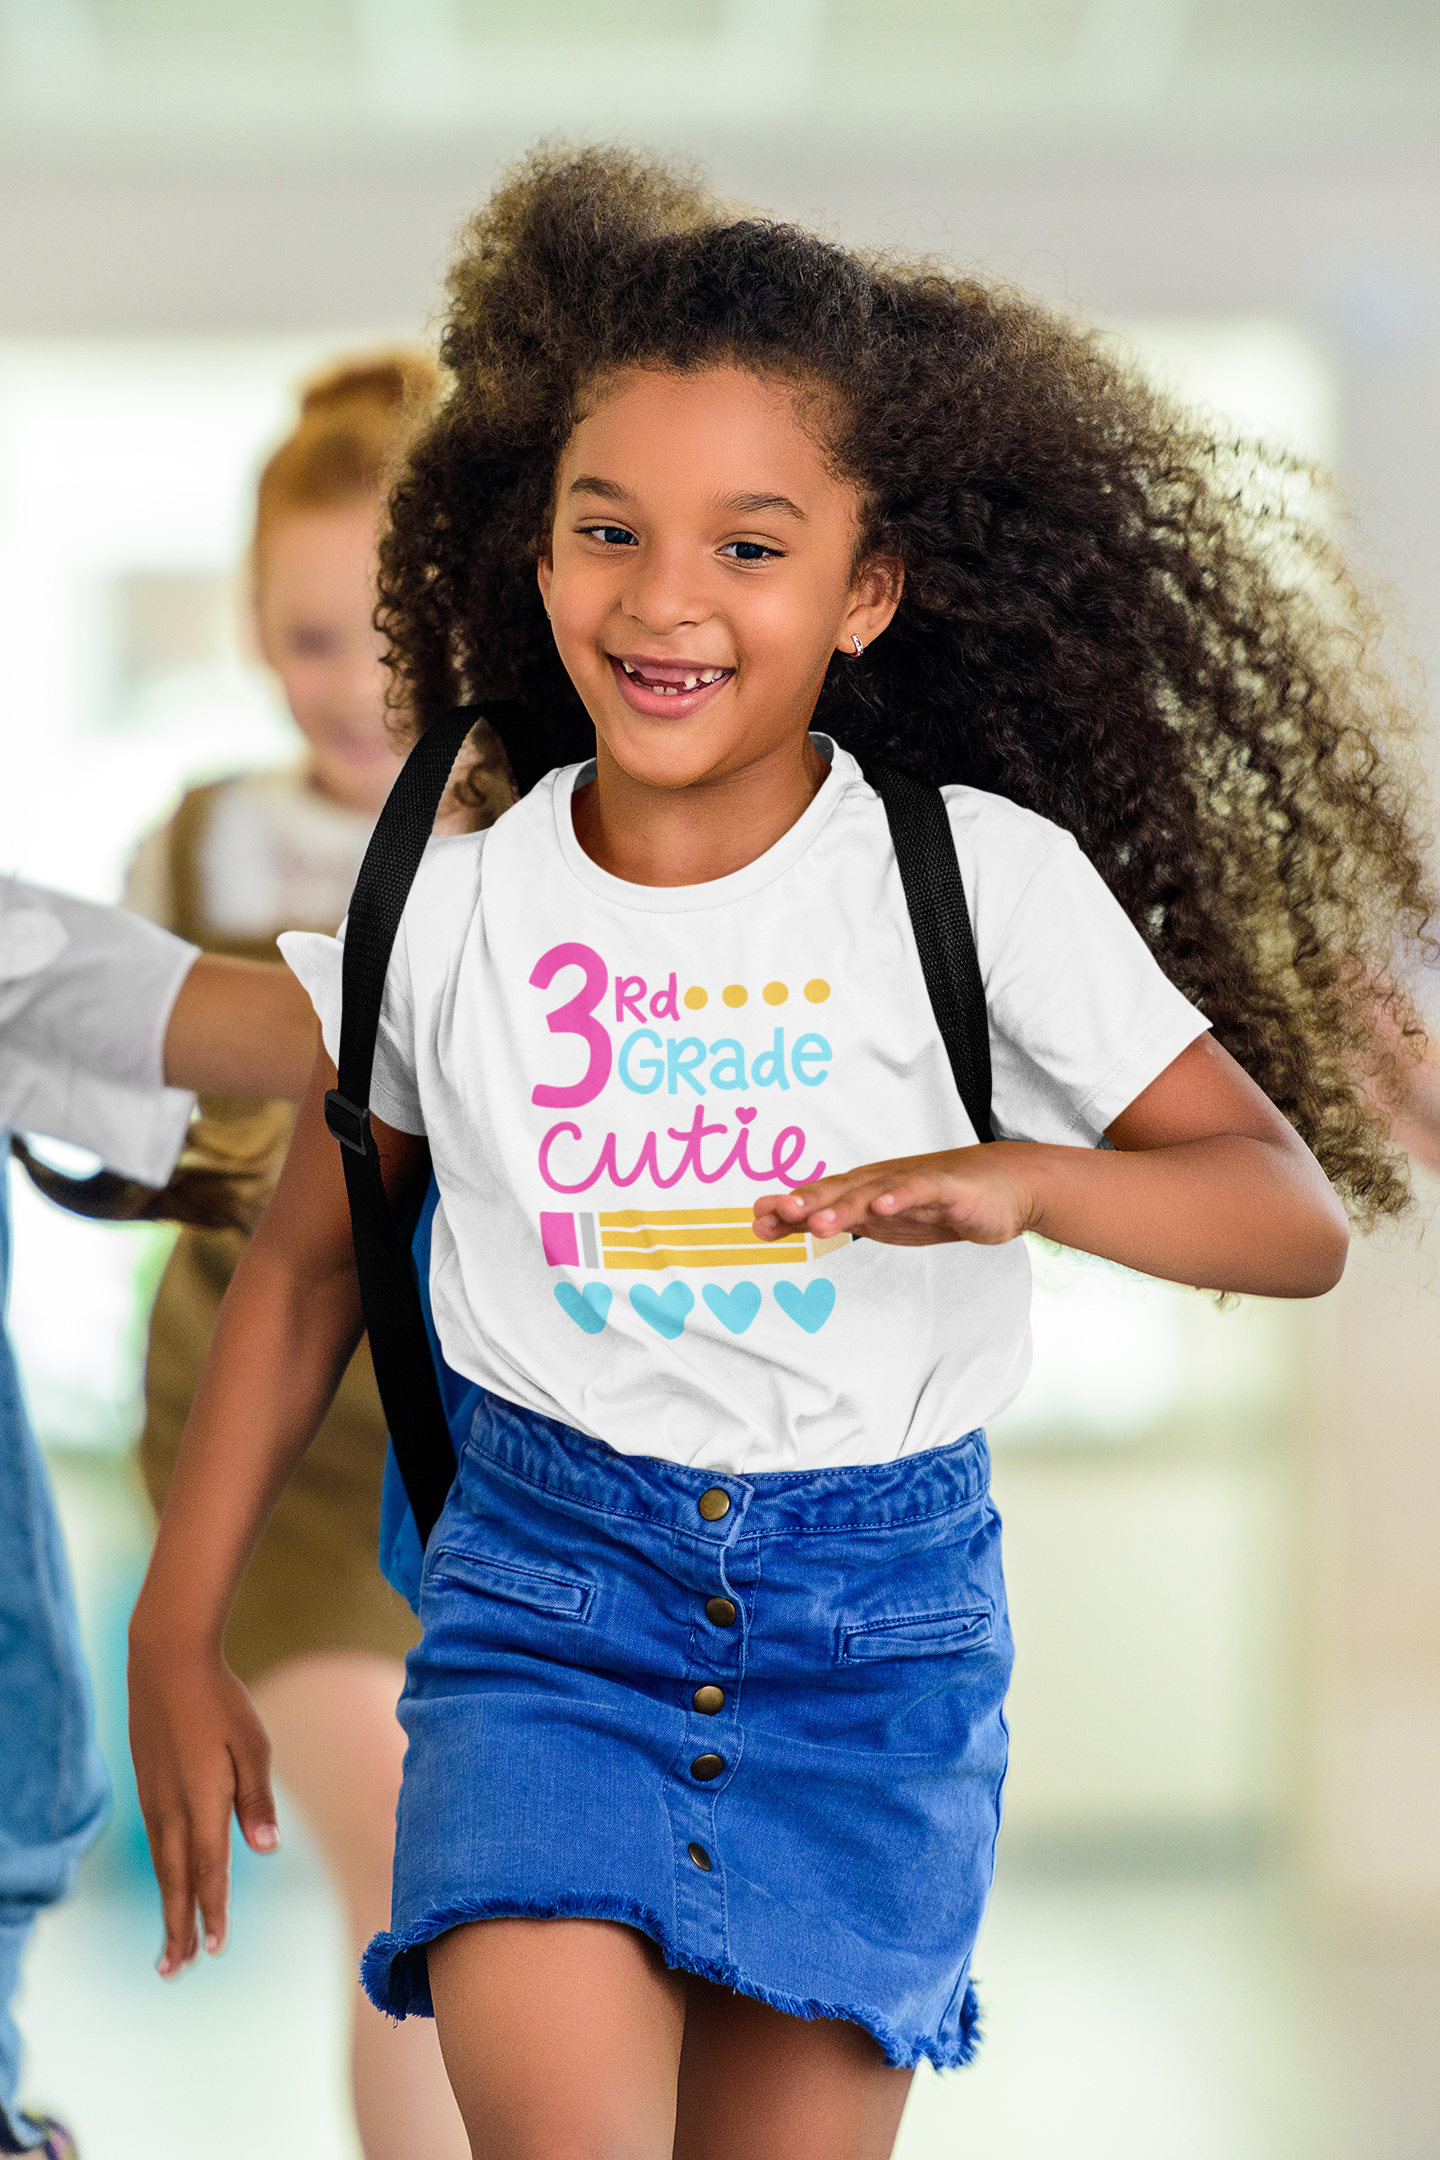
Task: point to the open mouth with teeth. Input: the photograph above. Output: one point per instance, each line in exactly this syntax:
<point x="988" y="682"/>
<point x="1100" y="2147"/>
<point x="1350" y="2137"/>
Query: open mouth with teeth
<point x="680" y="686"/>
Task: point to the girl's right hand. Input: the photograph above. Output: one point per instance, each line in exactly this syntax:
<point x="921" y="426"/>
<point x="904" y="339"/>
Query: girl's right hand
<point x="201" y="1755"/>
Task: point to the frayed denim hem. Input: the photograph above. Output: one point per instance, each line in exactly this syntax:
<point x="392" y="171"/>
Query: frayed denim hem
<point x="393" y="1973"/>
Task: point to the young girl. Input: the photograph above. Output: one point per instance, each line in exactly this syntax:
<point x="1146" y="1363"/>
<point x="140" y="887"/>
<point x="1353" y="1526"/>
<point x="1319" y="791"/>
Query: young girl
<point x="315" y="1630"/>
<point x="706" y="1733"/>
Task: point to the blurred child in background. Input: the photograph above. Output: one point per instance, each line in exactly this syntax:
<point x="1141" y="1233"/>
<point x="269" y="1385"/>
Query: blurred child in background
<point x="317" y="1634"/>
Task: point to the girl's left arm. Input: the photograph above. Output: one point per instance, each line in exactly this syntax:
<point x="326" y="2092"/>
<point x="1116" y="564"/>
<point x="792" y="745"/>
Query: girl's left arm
<point x="1204" y="1183"/>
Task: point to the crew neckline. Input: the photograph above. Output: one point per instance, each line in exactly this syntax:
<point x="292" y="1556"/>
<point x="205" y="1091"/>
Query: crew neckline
<point x="714" y="892"/>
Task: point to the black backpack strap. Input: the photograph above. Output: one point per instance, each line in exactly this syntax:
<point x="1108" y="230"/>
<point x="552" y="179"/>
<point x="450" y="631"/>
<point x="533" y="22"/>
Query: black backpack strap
<point x="394" y="1318"/>
<point x="930" y="873"/>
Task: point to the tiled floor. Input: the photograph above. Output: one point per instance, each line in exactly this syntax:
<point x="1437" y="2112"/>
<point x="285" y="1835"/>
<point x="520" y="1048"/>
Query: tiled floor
<point x="1179" y="2018"/>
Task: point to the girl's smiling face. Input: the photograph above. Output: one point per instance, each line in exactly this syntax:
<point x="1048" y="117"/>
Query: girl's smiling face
<point x="701" y="572"/>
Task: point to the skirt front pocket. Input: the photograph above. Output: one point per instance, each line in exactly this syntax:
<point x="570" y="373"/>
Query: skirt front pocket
<point x="910" y="1635"/>
<point x="568" y="1597"/>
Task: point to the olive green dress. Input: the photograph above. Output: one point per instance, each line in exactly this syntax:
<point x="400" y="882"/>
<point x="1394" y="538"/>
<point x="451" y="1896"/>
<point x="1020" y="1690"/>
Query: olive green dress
<point x="314" y="1583"/>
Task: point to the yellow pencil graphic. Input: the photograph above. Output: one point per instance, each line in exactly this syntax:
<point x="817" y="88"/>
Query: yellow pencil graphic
<point x="654" y="1238"/>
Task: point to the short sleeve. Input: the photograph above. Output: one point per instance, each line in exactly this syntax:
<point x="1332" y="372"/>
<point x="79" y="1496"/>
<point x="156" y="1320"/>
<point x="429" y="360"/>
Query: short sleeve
<point x="1082" y="1018"/>
<point x="318" y="962"/>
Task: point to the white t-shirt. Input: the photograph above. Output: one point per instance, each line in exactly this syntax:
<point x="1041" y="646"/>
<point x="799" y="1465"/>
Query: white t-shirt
<point x="85" y="998"/>
<point x="610" y="1075"/>
<point x="272" y="851"/>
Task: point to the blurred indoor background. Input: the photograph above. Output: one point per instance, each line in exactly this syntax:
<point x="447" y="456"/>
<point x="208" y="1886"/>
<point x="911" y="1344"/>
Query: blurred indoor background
<point x="1216" y="1931"/>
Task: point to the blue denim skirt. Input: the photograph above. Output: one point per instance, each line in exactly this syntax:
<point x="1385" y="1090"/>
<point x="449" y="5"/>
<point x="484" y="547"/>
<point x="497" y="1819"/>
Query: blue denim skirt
<point x="758" y="1718"/>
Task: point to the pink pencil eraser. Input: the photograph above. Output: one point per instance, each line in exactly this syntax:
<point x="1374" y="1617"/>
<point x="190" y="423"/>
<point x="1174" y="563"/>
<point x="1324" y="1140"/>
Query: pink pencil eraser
<point x="557" y="1235"/>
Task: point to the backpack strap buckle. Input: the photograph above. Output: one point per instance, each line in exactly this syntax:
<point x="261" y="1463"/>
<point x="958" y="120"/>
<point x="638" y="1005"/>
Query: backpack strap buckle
<point x="348" y="1122"/>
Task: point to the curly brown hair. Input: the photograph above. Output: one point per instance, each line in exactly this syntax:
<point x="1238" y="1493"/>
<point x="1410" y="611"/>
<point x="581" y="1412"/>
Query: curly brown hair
<point x="1112" y="613"/>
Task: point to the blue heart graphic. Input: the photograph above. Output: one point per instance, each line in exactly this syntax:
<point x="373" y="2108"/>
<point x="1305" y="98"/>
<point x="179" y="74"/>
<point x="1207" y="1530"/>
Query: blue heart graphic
<point x="664" y="1309"/>
<point x="736" y="1308"/>
<point x="809" y="1308"/>
<point x="588" y="1308"/>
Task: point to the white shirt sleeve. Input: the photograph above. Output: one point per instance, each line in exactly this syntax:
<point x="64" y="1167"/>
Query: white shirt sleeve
<point x="1082" y="1018"/>
<point x="318" y="962"/>
<point x="86" y="994"/>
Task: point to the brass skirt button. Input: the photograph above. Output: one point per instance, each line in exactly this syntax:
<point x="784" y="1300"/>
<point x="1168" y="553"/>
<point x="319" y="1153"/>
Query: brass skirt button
<point x="701" y="1858"/>
<point x="706" y="1767"/>
<point x="714" y="1504"/>
<point x="720" y="1612"/>
<point x="708" y="1700"/>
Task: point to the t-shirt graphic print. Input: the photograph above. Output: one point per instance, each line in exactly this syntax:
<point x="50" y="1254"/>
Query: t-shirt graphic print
<point x="649" y="1040"/>
<point x="610" y="1075"/>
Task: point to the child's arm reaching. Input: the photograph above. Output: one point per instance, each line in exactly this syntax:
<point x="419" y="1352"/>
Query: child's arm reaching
<point x="1207" y="1184"/>
<point x="288" y="1327"/>
<point x="240" y="1027"/>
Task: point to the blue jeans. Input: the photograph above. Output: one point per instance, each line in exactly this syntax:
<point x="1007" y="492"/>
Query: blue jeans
<point x="53" y="1787"/>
